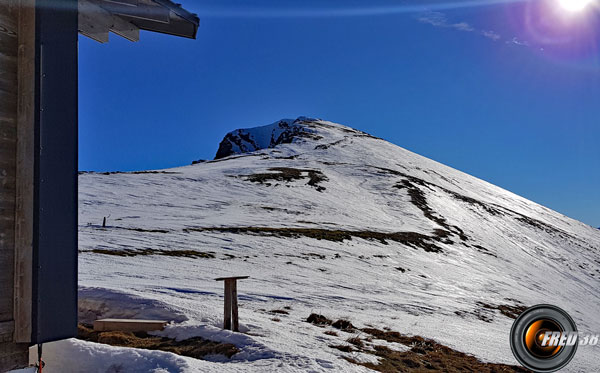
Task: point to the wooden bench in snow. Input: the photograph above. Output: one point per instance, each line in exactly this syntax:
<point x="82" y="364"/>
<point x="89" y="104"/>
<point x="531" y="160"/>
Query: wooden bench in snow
<point x="128" y="325"/>
<point x="231" y="303"/>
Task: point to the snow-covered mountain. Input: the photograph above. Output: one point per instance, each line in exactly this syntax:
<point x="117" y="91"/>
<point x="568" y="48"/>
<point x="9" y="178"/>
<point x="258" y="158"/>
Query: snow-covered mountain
<point x="325" y="219"/>
<point x="248" y="140"/>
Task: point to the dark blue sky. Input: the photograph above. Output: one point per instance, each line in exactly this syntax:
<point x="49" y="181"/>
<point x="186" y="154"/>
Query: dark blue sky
<point x="508" y="92"/>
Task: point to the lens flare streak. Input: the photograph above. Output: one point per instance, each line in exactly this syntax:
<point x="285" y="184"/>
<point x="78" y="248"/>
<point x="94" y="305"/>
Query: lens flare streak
<point x="347" y="12"/>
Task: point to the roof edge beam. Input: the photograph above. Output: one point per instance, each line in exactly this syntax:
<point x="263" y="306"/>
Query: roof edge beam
<point x="95" y="22"/>
<point x="125" y="2"/>
<point x="156" y="13"/>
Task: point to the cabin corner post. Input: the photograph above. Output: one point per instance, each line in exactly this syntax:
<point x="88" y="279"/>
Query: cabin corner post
<point x="24" y="173"/>
<point x="12" y="354"/>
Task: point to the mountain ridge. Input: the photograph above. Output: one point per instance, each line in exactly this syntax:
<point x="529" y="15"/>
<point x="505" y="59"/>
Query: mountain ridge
<point x="284" y="131"/>
<point x="342" y="223"/>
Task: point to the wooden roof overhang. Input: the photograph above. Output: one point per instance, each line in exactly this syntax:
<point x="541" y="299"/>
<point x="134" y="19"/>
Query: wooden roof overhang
<point x="97" y="18"/>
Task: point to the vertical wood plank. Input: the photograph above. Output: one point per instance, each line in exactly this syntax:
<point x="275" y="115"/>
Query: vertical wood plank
<point x="234" y="306"/>
<point x="8" y="118"/>
<point x="227" y="310"/>
<point x="12" y="355"/>
<point x="24" y="176"/>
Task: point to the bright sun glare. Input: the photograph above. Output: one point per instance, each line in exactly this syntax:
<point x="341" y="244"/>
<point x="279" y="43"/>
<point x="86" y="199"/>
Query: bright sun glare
<point x="574" y="5"/>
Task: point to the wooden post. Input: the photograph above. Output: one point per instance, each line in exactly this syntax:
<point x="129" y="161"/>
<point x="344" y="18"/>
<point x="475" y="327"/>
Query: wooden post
<point x="228" y="303"/>
<point x="230" y="314"/>
<point x="25" y="174"/>
<point x="234" y="306"/>
<point x="17" y="37"/>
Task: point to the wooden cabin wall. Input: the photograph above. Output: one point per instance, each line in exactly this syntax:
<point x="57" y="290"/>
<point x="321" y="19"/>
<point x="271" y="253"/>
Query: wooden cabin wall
<point x="12" y="355"/>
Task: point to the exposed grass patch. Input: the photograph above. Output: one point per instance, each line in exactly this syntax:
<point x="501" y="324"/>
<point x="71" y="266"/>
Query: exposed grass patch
<point x="508" y="310"/>
<point x="343" y="348"/>
<point x="314" y="255"/>
<point x="491" y="208"/>
<point x="425" y="355"/>
<point x="272" y="209"/>
<point x="483" y="250"/>
<point x="343" y="325"/>
<point x="318" y="320"/>
<point x="288" y="174"/>
<point x="411" y="239"/>
<point x="487" y="312"/>
<point x="355" y="341"/>
<point x="392" y="336"/>
<point x="415" y="180"/>
<point x="474" y="202"/>
<point x="494" y="209"/>
<point x="538" y="224"/>
<point x="194" y="347"/>
<point x="481" y="314"/>
<point x="305" y="256"/>
<point x="280" y="312"/>
<point x="143" y="252"/>
<point x="330" y="332"/>
<point x="143" y="230"/>
<point x="326" y="146"/>
<point x="417" y="198"/>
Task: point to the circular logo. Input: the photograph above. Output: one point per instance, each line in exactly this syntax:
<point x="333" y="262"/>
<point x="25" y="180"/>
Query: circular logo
<point x="543" y="338"/>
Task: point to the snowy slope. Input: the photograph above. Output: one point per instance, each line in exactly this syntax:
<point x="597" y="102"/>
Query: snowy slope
<point x="331" y="220"/>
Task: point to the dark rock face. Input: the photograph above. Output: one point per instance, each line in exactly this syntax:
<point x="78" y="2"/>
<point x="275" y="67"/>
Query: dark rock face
<point x="285" y="131"/>
<point x="226" y="146"/>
